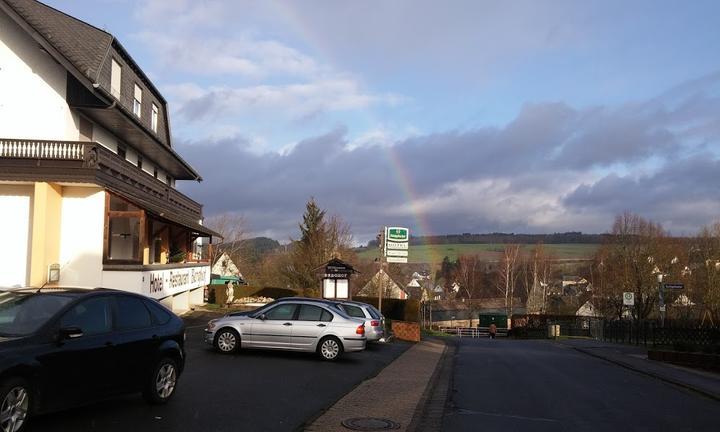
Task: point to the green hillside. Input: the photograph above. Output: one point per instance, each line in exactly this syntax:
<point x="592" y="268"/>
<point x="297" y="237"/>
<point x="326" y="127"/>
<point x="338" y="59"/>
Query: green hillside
<point x="433" y="254"/>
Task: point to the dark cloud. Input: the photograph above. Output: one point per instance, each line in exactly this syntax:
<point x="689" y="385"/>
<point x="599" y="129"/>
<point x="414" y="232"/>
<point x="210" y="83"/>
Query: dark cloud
<point x="553" y="168"/>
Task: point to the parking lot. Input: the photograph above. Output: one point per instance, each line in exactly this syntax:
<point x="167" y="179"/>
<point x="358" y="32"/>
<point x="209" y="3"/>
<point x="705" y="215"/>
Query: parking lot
<point x="253" y="390"/>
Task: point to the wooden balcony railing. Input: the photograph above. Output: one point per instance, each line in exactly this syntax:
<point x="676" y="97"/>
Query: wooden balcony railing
<point x="36" y="149"/>
<point x="91" y="155"/>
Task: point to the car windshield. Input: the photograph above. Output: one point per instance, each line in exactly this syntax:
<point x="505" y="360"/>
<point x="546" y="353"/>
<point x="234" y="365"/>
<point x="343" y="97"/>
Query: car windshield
<point x="24" y="313"/>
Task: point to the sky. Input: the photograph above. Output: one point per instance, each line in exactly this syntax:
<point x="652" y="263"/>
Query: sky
<point x="445" y="117"/>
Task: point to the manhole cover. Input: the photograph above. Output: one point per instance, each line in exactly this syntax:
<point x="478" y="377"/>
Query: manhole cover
<point x="370" y="424"/>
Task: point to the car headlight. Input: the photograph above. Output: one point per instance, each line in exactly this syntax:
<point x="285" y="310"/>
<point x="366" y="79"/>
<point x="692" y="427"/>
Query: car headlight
<point x="211" y="325"/>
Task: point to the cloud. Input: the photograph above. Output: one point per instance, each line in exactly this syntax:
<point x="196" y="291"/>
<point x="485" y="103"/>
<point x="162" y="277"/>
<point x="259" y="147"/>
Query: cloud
<point x="239" y="55"/>
<point x="553" y="168"/>
<point x="295" y="101"/>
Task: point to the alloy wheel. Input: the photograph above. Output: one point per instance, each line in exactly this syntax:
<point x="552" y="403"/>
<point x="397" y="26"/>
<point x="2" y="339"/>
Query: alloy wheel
<point x="166" y="381"/>
<point x="14" y="409"/>
<point x="330" y="349"/>
<point x="226" y="341"/>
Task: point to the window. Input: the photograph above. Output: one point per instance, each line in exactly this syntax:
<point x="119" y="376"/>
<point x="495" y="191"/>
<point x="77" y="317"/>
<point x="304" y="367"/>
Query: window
<point x="326" y="316"/>
<point x="137" y="101"/>
<point x="281" y="312"/>
<point x="354" y="311"/>
<point x="92" y="316"/>
<point x="310" y="313"/>
<point x="139" y="164"/>
<point x="335" y="288"/>
<point x="154" y="118"/>
<point x="160" y="315"/>
<point x="121" y="151"/>
<point x="168" y="180"/>
<point x="115" y="79"/>
<point x="132" y="313"/>
<point x="124" y="227"/>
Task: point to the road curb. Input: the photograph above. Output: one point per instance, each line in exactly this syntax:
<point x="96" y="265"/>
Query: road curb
<point x="708" y="394"/>
<point x="431" y="407"/>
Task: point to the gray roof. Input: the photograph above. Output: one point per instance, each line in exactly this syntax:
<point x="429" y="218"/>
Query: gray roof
<point x="80" y="43"/>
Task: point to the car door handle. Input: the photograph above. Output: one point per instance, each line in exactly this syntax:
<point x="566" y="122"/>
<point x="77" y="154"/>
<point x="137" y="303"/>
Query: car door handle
<point x="321" y="325"/>
<point x="287" y="324"/>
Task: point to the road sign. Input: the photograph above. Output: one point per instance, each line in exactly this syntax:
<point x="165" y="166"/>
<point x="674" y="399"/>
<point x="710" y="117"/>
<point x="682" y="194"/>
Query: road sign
<point x="675" y="286"/>
<point x="392" y="259"/>
<point x="398" y="234"/>
<point x="396" y="245"/>
<point x="397" y="253"/>
<point x="629" y="299"/>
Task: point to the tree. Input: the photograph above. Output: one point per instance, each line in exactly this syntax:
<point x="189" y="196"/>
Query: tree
<point x="320" y="240"/>
<point x="539" y="271"/>
<point x="636" y="253"/>
<point x="231" y="227"/>
<point x="705" y="270"/>
<point x="507" y="275"/>
<point x="468" y="273"/>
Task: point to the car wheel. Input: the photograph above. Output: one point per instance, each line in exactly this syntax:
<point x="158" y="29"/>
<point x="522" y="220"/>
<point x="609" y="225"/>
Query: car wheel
<point x="330" y="348"/>
<point x="227" y="340"/>
<point x="14" y="405"/>
<point x="161" y="386"/>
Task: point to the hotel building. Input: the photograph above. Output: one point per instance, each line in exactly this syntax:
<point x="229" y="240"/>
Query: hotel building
<point x="87" y="166"/>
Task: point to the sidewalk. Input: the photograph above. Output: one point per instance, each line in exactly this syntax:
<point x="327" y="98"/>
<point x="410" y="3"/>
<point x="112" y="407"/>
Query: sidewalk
<point x="394" y="394"/>
<point x="635" y="358"/>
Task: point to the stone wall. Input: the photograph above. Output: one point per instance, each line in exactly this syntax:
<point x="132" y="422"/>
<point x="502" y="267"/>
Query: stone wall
<point x="405" y="330"/>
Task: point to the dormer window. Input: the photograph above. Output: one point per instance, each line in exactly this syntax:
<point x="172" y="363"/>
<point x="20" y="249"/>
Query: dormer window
<point x="115" y="79"/>
<point x="154" y="118"/>
<point x="137" y="101"/>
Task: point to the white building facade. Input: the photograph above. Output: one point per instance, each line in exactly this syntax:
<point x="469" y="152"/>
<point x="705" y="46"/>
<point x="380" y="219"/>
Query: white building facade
<point x="87" y="168"/>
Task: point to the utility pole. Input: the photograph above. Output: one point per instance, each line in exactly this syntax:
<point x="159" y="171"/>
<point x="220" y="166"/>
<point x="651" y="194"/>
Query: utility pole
<point x="381" y="285"/>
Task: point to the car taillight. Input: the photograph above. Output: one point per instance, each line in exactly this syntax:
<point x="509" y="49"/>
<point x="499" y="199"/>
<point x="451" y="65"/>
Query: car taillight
<point x="375" y="323"/>
<point x="360" y="330"/>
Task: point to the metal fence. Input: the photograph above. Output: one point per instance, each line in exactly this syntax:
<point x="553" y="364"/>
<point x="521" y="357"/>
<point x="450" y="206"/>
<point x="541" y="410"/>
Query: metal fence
<point x="472" y="332"/>
<point x="651" y="333"/>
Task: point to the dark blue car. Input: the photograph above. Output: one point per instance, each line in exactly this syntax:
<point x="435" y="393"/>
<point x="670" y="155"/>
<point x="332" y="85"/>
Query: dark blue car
<point x="64" y="347"/>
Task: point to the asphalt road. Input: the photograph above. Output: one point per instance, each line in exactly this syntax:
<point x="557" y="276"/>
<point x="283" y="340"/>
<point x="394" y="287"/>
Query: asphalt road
<point x="506" y="385"/>
<point x="250" y="391"/>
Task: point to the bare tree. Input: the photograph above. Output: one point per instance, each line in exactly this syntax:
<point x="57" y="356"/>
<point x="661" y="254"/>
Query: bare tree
<point x="507" y="275"/>
<point x="539" y="272"/>
<point x="468" y="273"/>
<point x="231" y="226"/>
<point x="638" y="251"/>
<point x="704" y="270"/>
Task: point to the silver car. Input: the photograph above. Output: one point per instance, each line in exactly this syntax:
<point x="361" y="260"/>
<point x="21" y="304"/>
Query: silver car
<point x="374" y="321"/>
<point x="297" y="325"/>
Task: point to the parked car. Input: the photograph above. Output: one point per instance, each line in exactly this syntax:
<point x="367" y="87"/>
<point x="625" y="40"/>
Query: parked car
<point x="374" y="321"/>
<point x="65" y="347"/>
<point x="293" y="324"/>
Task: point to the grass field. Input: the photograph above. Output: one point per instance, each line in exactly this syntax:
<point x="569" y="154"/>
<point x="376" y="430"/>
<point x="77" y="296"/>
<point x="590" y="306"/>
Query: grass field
<point x="433" y="254"/>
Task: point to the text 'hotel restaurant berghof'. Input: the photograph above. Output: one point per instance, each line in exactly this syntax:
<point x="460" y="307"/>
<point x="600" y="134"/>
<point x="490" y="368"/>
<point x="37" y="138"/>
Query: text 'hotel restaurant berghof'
<point x="87" y="168"/>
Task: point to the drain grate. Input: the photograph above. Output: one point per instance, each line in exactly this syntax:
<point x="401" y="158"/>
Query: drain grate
<point x="370" y="424"/>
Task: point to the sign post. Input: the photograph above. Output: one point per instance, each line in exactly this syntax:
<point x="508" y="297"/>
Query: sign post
<point x="394" y="243"/>
<point x="629" y="299"/>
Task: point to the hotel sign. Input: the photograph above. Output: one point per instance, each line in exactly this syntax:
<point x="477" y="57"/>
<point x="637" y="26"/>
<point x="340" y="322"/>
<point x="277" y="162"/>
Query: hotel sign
<point x="163" y="283"/>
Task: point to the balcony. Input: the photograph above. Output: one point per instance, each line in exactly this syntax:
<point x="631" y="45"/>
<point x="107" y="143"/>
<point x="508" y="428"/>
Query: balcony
<point x="90" y="162"/>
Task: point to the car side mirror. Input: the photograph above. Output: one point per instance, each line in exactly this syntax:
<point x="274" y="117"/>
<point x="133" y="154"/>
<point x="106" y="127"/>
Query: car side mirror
<point x="262" y="317"/>
<point x="69" y="333"/>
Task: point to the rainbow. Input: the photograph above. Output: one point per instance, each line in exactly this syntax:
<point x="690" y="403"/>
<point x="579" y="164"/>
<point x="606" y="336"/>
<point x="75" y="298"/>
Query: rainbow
<point x="308" y="34"/>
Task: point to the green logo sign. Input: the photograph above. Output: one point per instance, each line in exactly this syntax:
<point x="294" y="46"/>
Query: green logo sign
<point x="398" y="234"/>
